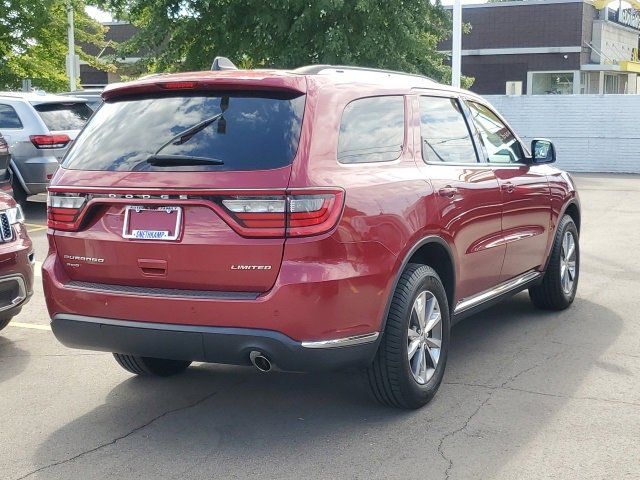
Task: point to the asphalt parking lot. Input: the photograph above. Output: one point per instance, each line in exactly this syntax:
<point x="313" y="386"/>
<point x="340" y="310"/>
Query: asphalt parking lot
<point x="527" y="394"/>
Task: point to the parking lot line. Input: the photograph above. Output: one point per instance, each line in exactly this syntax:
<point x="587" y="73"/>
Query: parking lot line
<point x="33" y="326"/>
<point x="35" y="228"/>
<point x="37" y="268"/>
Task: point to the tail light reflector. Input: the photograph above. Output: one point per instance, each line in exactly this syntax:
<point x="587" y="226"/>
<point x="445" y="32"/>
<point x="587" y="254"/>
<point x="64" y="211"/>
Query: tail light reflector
<point x="45" y="142"/>
<point x="63" y="211"/>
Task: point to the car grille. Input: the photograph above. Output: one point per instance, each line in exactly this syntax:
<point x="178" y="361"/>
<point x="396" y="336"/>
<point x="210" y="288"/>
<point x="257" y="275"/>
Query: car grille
<point x="6" y="232"/>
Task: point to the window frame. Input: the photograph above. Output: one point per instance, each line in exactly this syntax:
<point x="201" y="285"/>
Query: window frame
<point x="406" y="109"/>
<point x="21" y="127"/>
<point x="485" y="157"/>
<point x="465" y="115"/>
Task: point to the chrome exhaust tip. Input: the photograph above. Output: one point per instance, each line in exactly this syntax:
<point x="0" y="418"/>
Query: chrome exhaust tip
<point x="259" y="361"/>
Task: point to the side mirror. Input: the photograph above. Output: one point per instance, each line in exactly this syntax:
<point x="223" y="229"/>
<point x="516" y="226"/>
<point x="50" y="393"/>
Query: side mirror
<point x="542" y="151"/>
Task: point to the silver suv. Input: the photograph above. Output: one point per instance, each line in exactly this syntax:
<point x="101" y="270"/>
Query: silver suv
<point x="39" y="129"/>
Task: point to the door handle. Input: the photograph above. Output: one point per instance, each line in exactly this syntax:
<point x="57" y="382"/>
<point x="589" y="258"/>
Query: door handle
<point x="155" y="268"/>
<point x="508" y="187"/>
<point x="448" y="191"/>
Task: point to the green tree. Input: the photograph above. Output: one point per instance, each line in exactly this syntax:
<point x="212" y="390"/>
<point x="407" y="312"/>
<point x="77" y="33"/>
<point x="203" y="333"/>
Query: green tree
<point x="33" y="42"/>
<point x="177" y="35"/>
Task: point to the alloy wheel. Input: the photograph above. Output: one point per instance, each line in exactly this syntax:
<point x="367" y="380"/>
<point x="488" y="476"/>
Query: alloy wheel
<point x="568" y="263"/>
<point x="424" y="337"/>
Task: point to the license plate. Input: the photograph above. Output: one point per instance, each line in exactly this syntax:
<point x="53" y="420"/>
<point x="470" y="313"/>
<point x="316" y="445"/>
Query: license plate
<point x="152" y="223"/>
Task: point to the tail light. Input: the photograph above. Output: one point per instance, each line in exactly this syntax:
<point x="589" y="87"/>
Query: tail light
<point x="178" y="85"/>
<point x="294" y="215"/>
<point x="45" y="142"/>
<point x="63" y="211"/>
<point x="299" y="214"/>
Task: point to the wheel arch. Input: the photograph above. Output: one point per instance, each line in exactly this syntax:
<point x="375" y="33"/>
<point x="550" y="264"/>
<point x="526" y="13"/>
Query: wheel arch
<point x="573" y="210"/>
<point x="435" y="252"/>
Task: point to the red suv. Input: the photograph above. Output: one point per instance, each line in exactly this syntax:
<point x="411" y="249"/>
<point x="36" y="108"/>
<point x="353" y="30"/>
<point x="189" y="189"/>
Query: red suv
<point x="16" y="260"/>
<point x="318" y="218"/>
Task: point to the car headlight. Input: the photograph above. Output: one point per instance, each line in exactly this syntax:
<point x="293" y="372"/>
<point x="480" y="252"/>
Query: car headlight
<point x="15" y="215"/>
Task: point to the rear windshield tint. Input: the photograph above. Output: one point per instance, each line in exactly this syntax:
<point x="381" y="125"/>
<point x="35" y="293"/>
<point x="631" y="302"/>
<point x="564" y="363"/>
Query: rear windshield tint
<point x="64" y="116"/>
<point x="247" y="131"/>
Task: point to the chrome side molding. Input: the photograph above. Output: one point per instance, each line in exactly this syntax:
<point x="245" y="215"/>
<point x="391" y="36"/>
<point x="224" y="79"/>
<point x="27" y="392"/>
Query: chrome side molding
<point x="513" y="284"/>
<point x="343" y="342"/>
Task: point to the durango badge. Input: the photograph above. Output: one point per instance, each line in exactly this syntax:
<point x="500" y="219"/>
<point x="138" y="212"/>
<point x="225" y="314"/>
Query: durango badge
<point x="84" y="259"/>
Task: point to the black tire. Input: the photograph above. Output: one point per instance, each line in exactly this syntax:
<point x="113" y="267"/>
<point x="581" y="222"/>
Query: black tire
<point x="549" y="294"/>
<point x="390" y="378"/>
<point x="4" y="322"/>
<point x="153" y="367"/>
<point x="19" y="195"/>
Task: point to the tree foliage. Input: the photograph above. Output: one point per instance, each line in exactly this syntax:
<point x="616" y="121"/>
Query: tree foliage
<point x="177" y="35"/>
<point x="33" y="42"/>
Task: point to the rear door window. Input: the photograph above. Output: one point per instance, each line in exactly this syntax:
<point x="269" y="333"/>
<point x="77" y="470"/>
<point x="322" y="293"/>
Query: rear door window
<point x="372" y="130"/>
<point x="444" y="132"/>
<point x="64" y="116"/>
<point x="240" y="131"/>
<point x="8" y="117"/>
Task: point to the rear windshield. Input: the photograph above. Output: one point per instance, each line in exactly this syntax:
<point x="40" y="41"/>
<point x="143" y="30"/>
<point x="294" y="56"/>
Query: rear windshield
<point x="242" y="131"/>
<point x="64" y="116"/>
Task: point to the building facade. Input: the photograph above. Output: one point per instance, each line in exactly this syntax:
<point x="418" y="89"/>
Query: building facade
<point x="551" y="47"/>
<point x="117" y="32"/>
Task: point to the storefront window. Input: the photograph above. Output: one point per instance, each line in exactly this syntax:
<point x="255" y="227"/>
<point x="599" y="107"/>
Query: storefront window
<point x="589" y="82"/>
<point x="611" y="84"/>
<point x="552" y="83"/>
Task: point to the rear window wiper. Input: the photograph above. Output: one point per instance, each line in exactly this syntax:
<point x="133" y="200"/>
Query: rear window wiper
<point x="180" y="160"/>
<point x="185" y="135"/>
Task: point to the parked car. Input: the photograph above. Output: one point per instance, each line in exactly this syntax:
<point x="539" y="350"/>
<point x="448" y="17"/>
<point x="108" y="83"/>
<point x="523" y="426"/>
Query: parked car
<point x="16" y="260"/>
<point x="39" y="129"/>
<point x="319" y="218"/>
<point x="91" y="95"/>
<point x="5" y="171"/>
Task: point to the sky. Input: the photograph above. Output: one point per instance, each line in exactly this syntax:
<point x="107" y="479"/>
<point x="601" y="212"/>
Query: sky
<point x="105" y="17"/>
<point x="98" y="14"/>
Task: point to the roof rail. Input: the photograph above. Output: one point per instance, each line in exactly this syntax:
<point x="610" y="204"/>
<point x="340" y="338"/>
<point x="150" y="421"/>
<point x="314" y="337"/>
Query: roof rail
<point x="316" y="69"/>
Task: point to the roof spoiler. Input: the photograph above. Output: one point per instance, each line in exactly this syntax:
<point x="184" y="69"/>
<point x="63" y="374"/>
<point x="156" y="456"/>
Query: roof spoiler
<point x="222" y="63"/>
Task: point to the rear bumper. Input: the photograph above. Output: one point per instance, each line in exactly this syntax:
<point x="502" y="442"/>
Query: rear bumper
<point x="310" y="301"/>
<point x="34" y="173"/>
<point x="210" y="344"/>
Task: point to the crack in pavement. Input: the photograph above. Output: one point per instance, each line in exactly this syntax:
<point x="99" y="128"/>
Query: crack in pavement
<point x="590" y="348"/>
<point x="122" y="437"/>
<point x="569" y="397"/>
<point x="546" y="394"/>
<point x="447" y="472"/>
<point x="503" y="385"/>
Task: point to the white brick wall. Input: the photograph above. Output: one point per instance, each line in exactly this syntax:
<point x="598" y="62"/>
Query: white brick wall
<point x="592" y="133"/>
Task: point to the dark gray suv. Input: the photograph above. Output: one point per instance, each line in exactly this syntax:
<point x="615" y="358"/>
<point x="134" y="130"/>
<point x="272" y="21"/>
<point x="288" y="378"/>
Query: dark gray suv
<point x="39" y="129"/>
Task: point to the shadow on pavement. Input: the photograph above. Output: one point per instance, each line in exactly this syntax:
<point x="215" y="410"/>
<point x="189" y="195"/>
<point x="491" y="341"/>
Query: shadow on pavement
<point x="223" y="422"/>
<point x="13" y="359"/>
<point x="36" y="212"/>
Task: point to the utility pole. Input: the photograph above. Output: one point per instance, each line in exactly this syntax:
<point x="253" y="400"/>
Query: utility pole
<point x="456" y="50"/>
<point x="71" y="54"/>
